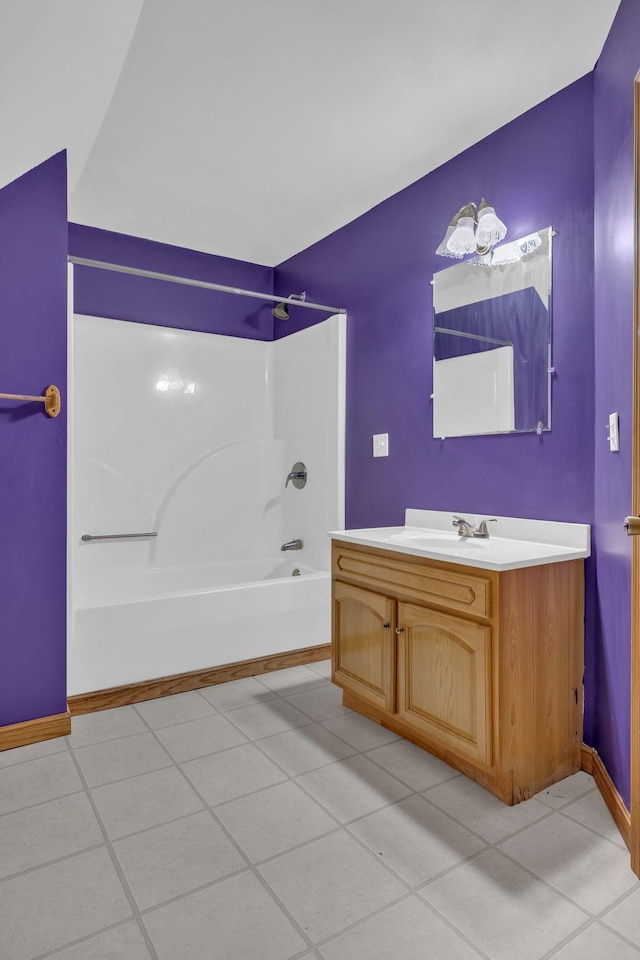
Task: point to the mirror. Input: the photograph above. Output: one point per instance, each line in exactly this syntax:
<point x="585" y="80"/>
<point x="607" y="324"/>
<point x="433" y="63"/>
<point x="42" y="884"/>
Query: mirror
<point x="492" y="341"/>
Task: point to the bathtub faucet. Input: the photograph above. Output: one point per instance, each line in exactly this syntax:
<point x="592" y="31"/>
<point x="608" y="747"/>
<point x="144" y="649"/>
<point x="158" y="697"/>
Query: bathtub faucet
<point x="292" y="545"/>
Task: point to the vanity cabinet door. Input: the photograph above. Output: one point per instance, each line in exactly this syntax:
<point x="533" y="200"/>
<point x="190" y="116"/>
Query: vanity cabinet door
<point x="364" y="644"/>
<point x="444" y="670"/>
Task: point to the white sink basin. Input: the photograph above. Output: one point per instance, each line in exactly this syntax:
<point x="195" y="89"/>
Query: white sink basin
<point x="431" y="541"/>
<point x="512" y="542"/>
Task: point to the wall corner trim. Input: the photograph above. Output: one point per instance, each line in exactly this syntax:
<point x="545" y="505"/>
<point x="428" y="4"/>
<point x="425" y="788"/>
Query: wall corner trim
<point x="34" y="731"/>
<point x="592" y="763"/>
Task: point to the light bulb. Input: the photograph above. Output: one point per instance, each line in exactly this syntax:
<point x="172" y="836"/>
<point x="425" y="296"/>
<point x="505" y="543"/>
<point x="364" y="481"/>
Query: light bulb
<point x="490" y="229"/>
<point x="443" y="250"/>
<point x="513" y="252"/>
<point x="463" y="240"/>
<point x="507" y="253"/>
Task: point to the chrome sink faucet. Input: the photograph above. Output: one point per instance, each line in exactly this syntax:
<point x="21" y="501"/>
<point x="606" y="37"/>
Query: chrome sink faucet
<point x="466" y="529"/>
<point x="292" y="545"/>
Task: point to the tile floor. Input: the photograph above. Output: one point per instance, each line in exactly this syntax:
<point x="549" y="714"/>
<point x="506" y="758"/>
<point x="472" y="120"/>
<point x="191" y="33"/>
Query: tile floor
<point x="261" y="820"/>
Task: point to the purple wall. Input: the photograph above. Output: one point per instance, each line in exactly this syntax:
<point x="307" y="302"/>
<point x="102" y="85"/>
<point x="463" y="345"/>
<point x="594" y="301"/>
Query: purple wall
<point x="538" y="171"/>
<point x="33" y="472"/>
<point x="614" y="199"/>
<point x="105" y="294"/>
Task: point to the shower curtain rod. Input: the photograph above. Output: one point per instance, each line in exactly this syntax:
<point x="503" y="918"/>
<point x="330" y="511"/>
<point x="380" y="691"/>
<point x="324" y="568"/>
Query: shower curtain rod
<point x="205" y="285"/>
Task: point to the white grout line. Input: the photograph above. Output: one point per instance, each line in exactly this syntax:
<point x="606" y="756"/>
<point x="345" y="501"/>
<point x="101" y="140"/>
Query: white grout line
<point x="340" y="827"/>
<point x="52" y="954"/>
<point x="116" y="864"/>
<point x="569" y="939"/>
<point x="242" y="853"/>
<point x="40" y="803"/>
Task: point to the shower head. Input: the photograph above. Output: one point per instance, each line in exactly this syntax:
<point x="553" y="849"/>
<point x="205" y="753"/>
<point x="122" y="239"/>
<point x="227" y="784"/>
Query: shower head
<point x="281" y="310"/>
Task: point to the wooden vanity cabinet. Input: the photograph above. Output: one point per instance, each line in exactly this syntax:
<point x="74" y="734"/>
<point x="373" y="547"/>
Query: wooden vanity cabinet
<point x="483" y="669"/>
<point x="444" y="663"/>
<point x="364" y="647"/>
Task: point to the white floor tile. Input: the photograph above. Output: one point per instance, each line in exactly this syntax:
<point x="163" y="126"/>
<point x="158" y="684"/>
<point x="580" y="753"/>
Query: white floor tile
<point x="625" y="917"/>
<point x="502" y="909"/>
<point x="165" y="711"/>
<point x="60" y="903"/>
<point x="117" y="759"/>
<point x="591" y="811"/>
<point x="291" y="680"/>
<point x="233" y="773"/>
<point x="416" y="840"/>
<point x="330" y="884"/>
<point x="104" y="725"/>
<point x="306" y="748"/>
<point x="322" y="668"/>
<point x="408" y="931"/>
<point x="274" y="820"/>
<point x="24" y="784"/>
<point x="176" y="858"/>
<point x="589" y="869"/>
<point x="413" y="766"/>
<point x="236" y="694"/>
<point x="353" y="787"/>
<point x="597" y="943"/>
<point x="122" y="943"/>
<point x="483" y="813"/>
<point x="359" y="732"/>
<point x="322" y="703"/>
<point x="144" y="802"/>
<point x="197" y="738"/>
<point x="33" y="751"/>
<point x="235" y="919"/>
<point x="268" y="719"/>
<point x="348" y="889"/>
<point x="31" y="837"/>
<point x="564" y="791"/>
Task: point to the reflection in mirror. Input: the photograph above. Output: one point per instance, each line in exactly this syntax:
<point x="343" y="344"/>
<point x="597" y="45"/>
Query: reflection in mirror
<point x="492" y="341"/>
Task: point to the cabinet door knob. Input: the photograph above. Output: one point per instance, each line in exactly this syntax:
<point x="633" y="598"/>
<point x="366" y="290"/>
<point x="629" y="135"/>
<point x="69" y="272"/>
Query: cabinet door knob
<point x="386" y="626"/>
<point x="399" y="629"/>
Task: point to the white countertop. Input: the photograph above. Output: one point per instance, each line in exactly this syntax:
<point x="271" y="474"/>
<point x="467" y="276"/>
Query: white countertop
<point x="512" y="542"/>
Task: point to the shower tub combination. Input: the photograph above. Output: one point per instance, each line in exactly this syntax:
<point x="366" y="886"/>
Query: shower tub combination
<point x="135" y="627"/>
<point x="195" y="447"/>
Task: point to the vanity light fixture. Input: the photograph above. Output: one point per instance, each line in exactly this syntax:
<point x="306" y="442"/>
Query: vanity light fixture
<point x="473" y="230"/>
<point x="511" y="252"/>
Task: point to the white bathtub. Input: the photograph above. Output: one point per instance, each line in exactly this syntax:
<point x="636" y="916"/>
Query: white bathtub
<point x="163" y="621"/>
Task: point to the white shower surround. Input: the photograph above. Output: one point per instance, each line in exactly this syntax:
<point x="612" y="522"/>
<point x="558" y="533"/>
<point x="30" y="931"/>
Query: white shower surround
<point x="192" y="435"/>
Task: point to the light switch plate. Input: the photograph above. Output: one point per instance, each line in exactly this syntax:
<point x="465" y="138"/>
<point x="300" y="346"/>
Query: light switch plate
<point x="614" y="433"/>
<point x="381" y="444"/>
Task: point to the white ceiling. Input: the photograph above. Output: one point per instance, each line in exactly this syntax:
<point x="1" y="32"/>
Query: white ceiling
<point x="60" y="61"/>
<point x="251" y="129"/>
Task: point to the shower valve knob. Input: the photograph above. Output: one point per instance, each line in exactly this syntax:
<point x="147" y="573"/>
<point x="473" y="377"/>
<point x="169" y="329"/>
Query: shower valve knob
<point x="298" y="474"/>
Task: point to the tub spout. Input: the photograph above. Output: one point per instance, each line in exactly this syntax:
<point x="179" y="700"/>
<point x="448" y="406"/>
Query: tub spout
<point x="292" y="545"/>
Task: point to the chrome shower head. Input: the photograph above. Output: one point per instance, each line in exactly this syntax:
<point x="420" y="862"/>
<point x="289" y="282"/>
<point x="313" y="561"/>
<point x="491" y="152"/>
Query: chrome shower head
<point x="281" y="310"/>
